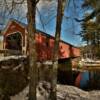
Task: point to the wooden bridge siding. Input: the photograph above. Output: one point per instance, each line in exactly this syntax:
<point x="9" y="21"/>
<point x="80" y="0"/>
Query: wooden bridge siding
<point x="45" y="51"/>
<point x="76" y="51"/>
<point x="44" y="43"/>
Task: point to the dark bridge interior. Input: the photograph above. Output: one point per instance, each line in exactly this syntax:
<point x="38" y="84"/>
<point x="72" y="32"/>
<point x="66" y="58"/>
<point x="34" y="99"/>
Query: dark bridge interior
<point x="14" y="41"/>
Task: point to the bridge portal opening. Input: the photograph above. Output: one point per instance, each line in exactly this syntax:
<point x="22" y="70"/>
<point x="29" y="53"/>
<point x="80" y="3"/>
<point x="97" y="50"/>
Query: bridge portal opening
<point x="14" y="41"/>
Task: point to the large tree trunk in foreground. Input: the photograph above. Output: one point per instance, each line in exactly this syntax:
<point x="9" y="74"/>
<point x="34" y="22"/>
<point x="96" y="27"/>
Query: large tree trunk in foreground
<point x="53" y="95"/>
<point x="32" y="49"/>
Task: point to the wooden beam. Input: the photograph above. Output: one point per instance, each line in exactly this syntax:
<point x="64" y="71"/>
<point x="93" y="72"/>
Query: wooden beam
<point x="13" y="52"/>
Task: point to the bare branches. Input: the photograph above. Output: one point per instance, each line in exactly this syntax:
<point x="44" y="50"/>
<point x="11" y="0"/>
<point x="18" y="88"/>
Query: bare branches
<point x="41" y="19"/>
<point x="12" y="9"/>
<point x="37" y="1"/>
<point x="92" y="15"/>
<point x="16" y="2"/>
<point x="13" y="6"/>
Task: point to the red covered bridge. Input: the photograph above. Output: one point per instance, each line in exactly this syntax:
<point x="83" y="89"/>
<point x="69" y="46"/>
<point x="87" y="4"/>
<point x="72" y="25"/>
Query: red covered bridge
<point x="15" y="37"/>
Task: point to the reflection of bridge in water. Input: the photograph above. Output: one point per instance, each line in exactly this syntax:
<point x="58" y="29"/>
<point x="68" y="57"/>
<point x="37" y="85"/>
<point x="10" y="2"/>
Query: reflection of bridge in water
<point x="89" y="76"/>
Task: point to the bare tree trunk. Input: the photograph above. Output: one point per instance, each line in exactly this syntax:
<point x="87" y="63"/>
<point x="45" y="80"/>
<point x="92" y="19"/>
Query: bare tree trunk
<point x="53" y="95"/>
<point x="32" y="49"/>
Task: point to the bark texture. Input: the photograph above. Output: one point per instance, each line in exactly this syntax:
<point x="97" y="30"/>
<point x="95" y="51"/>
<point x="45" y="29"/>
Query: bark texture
<point x="32" y="48"/>
<point x="56" y="50"/>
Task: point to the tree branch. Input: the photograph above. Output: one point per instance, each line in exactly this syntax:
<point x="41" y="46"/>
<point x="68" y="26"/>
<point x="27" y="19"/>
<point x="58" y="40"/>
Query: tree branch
<point x="92" y="15"/>
<point x="41" y="19"/>
<point x="37" y="1"/>
<point x="16" y="2"/>
<point x="13" y="6"/>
